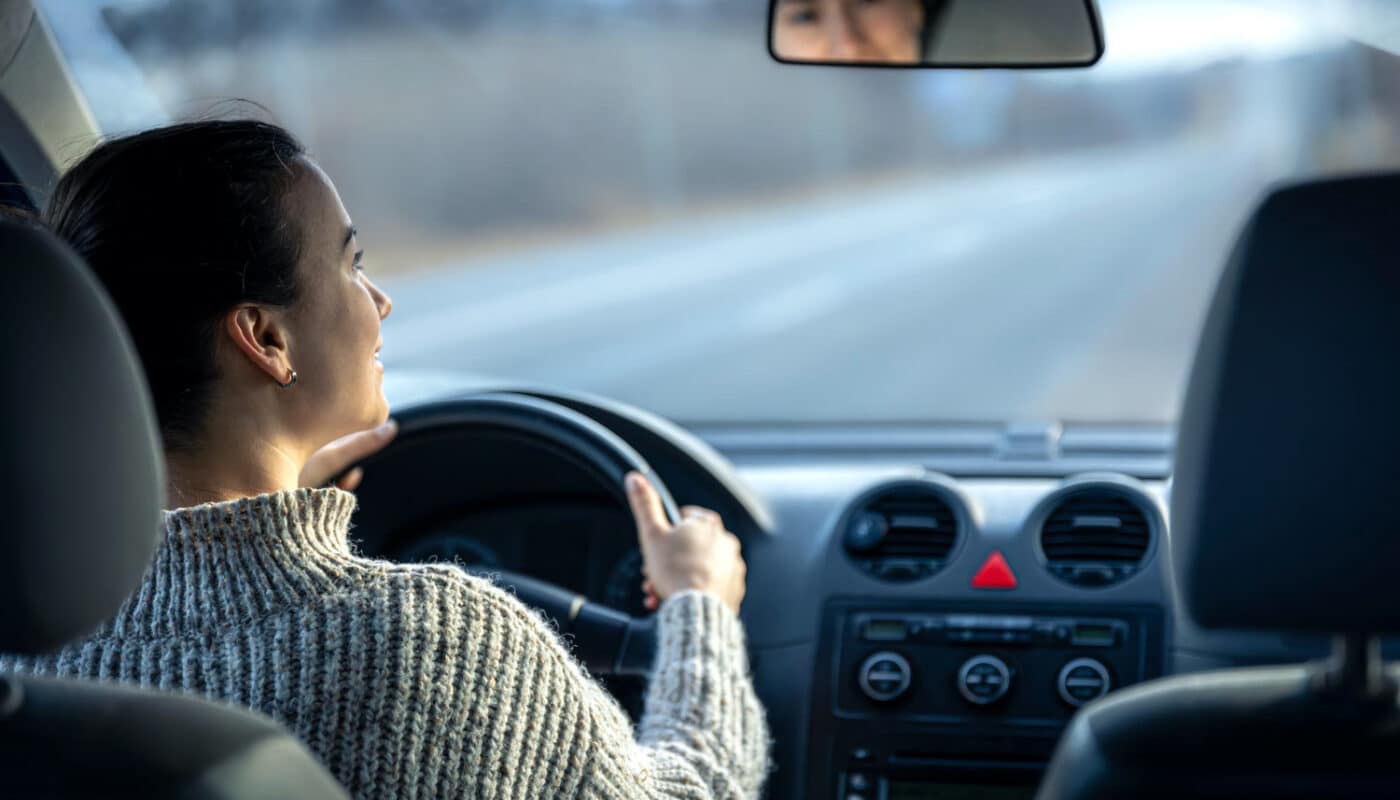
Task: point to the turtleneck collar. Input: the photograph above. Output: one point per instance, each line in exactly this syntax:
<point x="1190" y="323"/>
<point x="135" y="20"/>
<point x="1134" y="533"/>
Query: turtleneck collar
<point x="220" y="563"/>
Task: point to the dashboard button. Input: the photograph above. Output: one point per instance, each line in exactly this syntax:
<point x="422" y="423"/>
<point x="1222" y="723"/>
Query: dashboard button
<point x="1093" y="575"/>
<point x="901" y="569"/>
<point x="884" y="676"/>
<point x="865" y="532"/>
<point x="930" y="630"/>
<point x="1083" y="680"/>
<point x="984" y="679"/>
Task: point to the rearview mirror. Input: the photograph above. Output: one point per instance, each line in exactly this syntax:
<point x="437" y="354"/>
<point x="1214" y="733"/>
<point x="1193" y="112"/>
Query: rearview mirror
<point x="1013" y="34"/>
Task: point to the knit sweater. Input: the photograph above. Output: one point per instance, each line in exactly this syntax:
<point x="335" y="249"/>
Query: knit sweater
<point x="419" y="681"/>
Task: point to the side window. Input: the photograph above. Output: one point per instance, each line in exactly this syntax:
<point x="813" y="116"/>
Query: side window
<point x="12" y="191"/>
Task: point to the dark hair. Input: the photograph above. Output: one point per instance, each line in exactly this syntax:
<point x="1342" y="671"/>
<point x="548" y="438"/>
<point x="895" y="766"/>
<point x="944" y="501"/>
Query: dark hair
<point x="182" y="224"/>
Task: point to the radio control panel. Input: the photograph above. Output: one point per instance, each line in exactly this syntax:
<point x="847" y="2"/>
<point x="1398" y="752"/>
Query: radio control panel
<point x="1022" y="667"/>
<point x="916" y="690"/>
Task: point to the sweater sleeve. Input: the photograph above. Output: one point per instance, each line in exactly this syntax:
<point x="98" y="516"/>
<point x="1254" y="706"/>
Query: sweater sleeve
<point x="702" y="734"/>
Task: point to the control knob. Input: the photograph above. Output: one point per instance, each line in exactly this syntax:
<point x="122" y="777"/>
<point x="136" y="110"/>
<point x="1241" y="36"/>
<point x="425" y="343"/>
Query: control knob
<point x="865" y="532"/>
<point x="984" y="679"/>
<point x="1083" y="680"/>
<point x="884" y="676"/>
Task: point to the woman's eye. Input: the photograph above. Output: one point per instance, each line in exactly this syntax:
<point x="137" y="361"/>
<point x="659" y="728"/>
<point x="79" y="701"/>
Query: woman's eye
<point x="804" y="17"/>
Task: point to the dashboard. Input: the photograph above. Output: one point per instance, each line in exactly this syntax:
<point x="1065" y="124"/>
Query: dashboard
<point x="946" y="656"/>
<point x="926" y="610"/>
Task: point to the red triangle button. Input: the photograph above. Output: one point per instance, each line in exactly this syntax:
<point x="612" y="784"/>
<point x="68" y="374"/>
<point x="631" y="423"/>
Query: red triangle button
<point x="994" y="573"/>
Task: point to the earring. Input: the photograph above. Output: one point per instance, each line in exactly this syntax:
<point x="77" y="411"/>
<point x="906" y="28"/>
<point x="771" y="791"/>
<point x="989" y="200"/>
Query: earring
<point x="291" y="381"/>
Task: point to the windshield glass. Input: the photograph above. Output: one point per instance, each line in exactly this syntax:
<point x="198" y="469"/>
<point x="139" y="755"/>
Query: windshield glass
<point x="630" y="197"/>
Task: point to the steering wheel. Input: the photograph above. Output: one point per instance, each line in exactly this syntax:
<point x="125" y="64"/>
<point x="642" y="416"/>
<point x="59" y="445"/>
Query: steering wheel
<point x="607" y="641"/>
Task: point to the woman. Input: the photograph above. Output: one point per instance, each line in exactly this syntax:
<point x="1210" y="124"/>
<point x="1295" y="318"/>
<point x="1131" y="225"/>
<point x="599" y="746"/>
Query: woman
<point x="854" y="31"/>
<point x="239" y="274"/>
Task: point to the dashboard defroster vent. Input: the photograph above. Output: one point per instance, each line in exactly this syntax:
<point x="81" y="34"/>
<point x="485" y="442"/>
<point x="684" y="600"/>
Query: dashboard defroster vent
<point x="902" y="533"/>
<point x="1095" y="537"/>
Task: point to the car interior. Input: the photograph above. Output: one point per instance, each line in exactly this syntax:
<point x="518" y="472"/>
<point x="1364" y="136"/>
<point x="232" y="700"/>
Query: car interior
<point x="1033" y="607"/>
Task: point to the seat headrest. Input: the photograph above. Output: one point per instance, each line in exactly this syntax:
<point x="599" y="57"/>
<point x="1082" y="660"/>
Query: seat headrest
<point x="81" y="475"/>
<point x="1286" y="496"/>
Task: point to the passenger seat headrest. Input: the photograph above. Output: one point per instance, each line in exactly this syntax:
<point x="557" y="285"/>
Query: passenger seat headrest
<point x="81" y="477"/>
<point x="1286" y="497"/>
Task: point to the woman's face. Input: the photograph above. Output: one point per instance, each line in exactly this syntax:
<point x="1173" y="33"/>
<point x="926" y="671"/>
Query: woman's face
<point x="333" y="336"/>
<point x="854" y="31"/>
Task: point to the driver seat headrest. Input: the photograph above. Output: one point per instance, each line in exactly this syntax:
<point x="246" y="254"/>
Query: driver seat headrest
<point x="1284" y="514"/>
<point x="81" y="475"/>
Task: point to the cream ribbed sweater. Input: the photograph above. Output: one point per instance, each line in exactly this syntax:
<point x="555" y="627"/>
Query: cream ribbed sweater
<point x="419" y="681"/>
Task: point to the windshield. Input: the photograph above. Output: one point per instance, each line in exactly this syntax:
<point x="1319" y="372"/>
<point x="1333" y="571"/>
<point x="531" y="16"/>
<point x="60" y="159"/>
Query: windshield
<point x="630" y="197"/>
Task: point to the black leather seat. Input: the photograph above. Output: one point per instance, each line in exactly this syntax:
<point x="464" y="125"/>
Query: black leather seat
<point x="81" y="485"/>
<point x="1285" y="519"/>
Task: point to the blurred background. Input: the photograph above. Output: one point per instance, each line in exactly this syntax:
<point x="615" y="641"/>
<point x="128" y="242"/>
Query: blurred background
<point x="629" y="197"/>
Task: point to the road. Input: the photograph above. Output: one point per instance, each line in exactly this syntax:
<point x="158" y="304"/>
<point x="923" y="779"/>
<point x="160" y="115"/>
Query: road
<point x="1066" y="289"/>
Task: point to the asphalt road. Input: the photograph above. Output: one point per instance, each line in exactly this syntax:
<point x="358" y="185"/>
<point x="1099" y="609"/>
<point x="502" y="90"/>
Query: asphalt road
<point x="1066" y="289"/>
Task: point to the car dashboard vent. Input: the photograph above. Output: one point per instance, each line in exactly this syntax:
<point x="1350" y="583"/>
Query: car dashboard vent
<point x="902" y="533"/>
<point x="1095" y="537"/>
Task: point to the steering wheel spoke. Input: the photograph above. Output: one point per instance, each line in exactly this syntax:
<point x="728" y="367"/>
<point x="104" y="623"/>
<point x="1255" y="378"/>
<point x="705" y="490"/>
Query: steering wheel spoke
<point x="605" y="640"/>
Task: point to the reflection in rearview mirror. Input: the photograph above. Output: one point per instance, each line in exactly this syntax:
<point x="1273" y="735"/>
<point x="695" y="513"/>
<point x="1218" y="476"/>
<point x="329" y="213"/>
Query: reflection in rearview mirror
<point x="1016" y="34"/>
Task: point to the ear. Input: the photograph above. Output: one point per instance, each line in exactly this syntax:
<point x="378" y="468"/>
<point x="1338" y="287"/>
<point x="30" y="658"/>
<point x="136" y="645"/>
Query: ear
<point x="260" y="335"/>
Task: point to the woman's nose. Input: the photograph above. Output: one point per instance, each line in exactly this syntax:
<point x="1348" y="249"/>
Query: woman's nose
<point x="844" y="39"/>
<point x="382" y="301"/>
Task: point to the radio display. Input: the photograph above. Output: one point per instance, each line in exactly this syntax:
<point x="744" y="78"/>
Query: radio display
<point x="885" y="630"/>
<point x="903" y="790"/>
<point x="1095" y="635"/>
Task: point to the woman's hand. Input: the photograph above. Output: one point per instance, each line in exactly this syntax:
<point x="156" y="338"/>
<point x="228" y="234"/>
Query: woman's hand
<point x="332" y="459"/>
<point x="698" y="553"/>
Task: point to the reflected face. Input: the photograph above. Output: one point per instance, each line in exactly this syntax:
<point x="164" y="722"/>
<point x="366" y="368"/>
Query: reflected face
<point x="849" y="31"/>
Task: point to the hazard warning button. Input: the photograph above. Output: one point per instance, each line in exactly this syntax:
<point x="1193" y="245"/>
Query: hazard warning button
<point x="994" y="573"/>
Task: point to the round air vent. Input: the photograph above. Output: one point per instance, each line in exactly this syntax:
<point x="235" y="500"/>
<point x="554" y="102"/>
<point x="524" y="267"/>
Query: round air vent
<point x="1095" y="536"/>
<point x="902" y="532"/>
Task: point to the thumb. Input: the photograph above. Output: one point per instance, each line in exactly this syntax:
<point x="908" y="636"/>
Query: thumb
<point x="351" y="480"/>
<point x="646" y="505"/>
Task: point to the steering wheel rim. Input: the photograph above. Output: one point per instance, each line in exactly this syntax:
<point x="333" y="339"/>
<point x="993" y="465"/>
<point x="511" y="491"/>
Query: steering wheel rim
<point x="607" y="641"/>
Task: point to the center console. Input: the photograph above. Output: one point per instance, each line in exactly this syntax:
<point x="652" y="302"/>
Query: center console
<point x="961" y="700"/>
